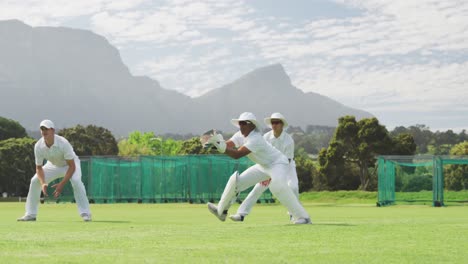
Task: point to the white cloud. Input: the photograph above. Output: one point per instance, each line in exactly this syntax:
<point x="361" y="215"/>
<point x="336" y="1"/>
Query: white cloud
<point x="47" y="12"/>
<point x="121" y="5"/>
<point x="112" y="25"/>
<point x="416" y="87"/>
<point x="202" y="41"/>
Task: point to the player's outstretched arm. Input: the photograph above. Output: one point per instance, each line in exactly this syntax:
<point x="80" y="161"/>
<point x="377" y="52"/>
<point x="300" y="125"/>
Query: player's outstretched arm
<point x="237" y="153"/>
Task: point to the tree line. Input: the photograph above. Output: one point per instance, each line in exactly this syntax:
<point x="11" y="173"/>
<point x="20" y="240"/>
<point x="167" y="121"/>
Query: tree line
<point x="327" y="158"/>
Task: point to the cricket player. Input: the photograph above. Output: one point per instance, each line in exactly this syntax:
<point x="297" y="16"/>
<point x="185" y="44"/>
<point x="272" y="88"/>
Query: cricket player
<point x="62" y="162"/>
<point x="270" y="164"/>
<point x="283" y="142"/>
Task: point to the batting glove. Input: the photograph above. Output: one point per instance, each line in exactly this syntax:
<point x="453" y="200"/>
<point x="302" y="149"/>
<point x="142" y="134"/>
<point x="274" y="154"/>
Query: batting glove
<point x="218" y="141"/>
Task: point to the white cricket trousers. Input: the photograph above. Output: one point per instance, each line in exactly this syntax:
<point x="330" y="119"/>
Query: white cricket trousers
<point x="259" y="189"/>
<point x="52" y="172"/>
<point x="278" y="186"/>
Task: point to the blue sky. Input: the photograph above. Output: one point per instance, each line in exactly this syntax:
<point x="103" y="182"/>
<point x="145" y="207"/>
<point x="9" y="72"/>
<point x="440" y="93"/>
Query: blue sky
<point x="405" y="61"/>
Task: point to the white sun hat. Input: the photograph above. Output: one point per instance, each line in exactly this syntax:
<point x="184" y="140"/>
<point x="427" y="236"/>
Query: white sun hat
<point x="276" y="116"/>
<point x="246" y="116"/>
<point x="47" y="124"/>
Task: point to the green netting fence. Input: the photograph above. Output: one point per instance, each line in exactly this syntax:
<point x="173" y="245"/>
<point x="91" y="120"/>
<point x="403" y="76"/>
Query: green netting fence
<point x="158" y="179"/>
<point x="398" y="174"/>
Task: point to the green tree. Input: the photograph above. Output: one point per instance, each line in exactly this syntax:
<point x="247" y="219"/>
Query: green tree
<point x="403" y="144"/>
<point x="193" y="146"/>
<point x="438" y="143"/>
<point x="335" y="172"/>
<point x="421" y="134"/>
<point x="139" y="143"/>
<point x="305" y="170"/>
<point x="355" y="142"/>
<point x="313" y="142"/>
<point x="442" y="149"/>
<point x="447" y="137"/>
<point x="442" y="142"/>
<point x="17" y="165"/>
<point x="128" y="149"/>
<point x="171" y="147"/>
<point x="320" y="180"/>
<point x="462" y="136"/>
<point x="148" y="144"/>
<point x="306" y="142"/>
<point x="413" y="179"/>
<point x="90" y="140"/>
<point x="332" y="167"/>
<point x="460" y="149"/>
<point x="11" y="129"/>
<point x="417" y="183"/>
<point x="456" y="176"/>
<point x="422" y="137"/>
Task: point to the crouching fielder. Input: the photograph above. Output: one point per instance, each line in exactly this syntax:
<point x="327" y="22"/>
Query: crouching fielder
<point x="270" y="164"/>
<point x="62" y="162"/>
<point x="283" y="142"/>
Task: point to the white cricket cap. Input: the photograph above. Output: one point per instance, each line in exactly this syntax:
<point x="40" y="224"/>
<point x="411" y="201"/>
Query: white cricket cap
<point x="276" y="116"/>
<point x="47" y="124"/>
<point x="246" y="116"/>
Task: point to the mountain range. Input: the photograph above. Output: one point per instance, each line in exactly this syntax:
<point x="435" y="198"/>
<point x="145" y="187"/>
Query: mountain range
<point x="74" y="76"/>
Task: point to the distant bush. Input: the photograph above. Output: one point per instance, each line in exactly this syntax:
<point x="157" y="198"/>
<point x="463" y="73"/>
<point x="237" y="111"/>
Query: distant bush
<point x="418" y="183"/>
<point x="11" y="129"/>
<point x="17" y="165"/>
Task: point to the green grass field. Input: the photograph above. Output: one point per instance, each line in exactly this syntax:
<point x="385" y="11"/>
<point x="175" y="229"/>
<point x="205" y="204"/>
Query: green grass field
<point x="185" y="233"/>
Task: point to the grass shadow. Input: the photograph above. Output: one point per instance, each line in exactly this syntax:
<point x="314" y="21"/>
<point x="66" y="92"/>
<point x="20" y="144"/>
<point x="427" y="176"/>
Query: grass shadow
<point x="322" y="224"/>
<point x="111" y="221"/>
<point x="333" y="224"/>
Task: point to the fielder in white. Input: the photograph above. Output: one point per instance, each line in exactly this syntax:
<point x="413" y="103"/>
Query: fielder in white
<point x="283" y="142"/>
<point x="62" y="162"/>
<point x="270" y="164"/>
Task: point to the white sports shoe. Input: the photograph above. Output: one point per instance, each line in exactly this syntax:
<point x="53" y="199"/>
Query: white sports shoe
<point x="26" y="218"/>
<point x="237" y="217"/>
<point x="86" y="217"/>
<point x="214" y="210"/>
<point x="303" y="221"/>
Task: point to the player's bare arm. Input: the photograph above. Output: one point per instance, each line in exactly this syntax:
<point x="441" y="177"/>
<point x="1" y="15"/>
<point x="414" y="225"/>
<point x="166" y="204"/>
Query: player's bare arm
<point x="59" y="186"/>
<point x="41" y="177"/>
<point x="236" y="153"/>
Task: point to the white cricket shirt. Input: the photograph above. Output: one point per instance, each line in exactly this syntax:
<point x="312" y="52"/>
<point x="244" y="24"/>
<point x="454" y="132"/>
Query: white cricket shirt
<point x="283" y="143"/>
<point x="262" y="152"/>
<point x="57" y="154"/>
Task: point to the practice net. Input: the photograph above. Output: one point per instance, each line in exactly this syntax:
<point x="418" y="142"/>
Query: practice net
<point x="158" y="179"/>
<point x="426" y="174"/>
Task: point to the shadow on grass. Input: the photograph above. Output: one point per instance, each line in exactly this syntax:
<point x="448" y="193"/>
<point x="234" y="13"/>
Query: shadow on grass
<point x="323" y="224"/>
<point x="111" y="221"/>
<point x="333" y="224"/>
<point x="95" y="221"/>
<point x="342" y="204"/>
